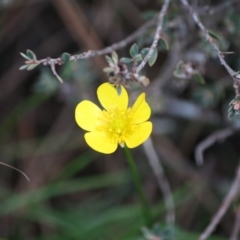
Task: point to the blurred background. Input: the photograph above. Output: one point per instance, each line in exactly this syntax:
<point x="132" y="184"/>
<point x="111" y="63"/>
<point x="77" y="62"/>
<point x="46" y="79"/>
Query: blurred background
<point x="76" y="193"/>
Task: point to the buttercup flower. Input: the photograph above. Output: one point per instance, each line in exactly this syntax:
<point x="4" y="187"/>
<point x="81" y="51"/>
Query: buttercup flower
<point x="116" y="124"/>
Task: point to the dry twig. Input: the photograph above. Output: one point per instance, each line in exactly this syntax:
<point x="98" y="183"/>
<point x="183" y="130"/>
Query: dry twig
<point x="196" y="19"/>
<point x="236" y="227"/>
<point x="219" y="135"/>
<point x="161" y="179"/>
<point x="233" y="192"/>
<point x="156" y="37"/>
<point x="107" y="50"/>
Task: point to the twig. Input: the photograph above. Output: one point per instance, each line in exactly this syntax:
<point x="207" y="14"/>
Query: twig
<point x="210" y="140"/>
<point x="156" y="37"/>
<point x="236" y="227"/>
<point x="107" y="50"/>
<point x="161" y="179"/>
<point x="196" y="19"/>
<point x="15" y="169"/>
<point x="234" y="190"/>
<point x="55" y="73"/>
<point x="217" y="8"/>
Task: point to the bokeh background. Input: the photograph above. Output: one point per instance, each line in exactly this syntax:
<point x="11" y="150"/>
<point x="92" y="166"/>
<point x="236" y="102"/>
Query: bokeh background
<point x="76" y="193"/>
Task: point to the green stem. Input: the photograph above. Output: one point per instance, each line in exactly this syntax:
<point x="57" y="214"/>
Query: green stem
<point x="138" y="185"/>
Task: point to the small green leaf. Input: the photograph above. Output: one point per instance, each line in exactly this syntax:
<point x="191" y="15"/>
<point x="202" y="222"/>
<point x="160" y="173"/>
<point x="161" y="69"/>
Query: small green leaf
<point x="23" y="67"/>
<point x="214" y="35"/>
<point x="199" y="78"/>
<point x="231" y="115"/>
<point x="138" y="58"/>
<point x="179" y="65"/>
<point x="144" y="52"/>
<point x="153" y="58"/>
<point x="108" y="69"/>
<point x="114" y="57"/>
<point x="65" y="57"/>
<point x="134" y="50"/>
<point x="119" y="90"/>
<point x="31" y="55"/>
<point x="109" y="60"/>
<point x="163" y="44"/>
<point x="32" y="66"/>
<point x="25" y="56"/>
<point x="180" y="74"/>
<point x="126" y="60"/>
<point x="230" y="109"/>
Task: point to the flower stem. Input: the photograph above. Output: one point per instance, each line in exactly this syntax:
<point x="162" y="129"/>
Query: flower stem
<point x="138" y="185"/>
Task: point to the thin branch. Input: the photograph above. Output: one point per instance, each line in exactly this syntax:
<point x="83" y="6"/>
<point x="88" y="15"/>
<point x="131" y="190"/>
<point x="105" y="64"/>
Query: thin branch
<point x="55" y="73"/>
<point x="156" y="37"/>
<point x="196" y="19"/>
<point x="161" y="180"/>
<point x="107" y="50"/>
<point x="219" y="135"/>
<point x="219" y="7"/>
<point x="233" y="192"/>
<point x="236" y="227"/>
<point x="15" y="169"/>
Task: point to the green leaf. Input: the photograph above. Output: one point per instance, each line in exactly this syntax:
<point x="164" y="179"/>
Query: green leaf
<point x="180" y="74"/>
<point x="214" y="35"/>
<point x="231" y="115"/>
<point x="31" y="55"/>
<point x="32" y="66"/>
<point x="119" y="90"/>
<point x="23" y="67"/>
<point x="134" y="50"/>
<point x="144" y="52"/>
<point x="126" y="60"/>
<point x="65" y="57"/>
<point x="199" y="78"/>
<point x="138" y="58"/>
<point x="163" y="44"/>
<point x="25" y="56"/>
<point x="109" y="60"/>
<point x="108" y="69"/>
<point x="114" y="57"/>
<point x="153" y="58"/>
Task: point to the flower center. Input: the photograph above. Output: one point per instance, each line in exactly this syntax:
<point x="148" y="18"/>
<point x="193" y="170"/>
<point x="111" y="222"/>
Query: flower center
<point x="117" y="124"/>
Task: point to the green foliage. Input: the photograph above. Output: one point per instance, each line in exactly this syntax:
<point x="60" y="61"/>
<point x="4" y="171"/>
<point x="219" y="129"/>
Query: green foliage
<point x="31" y="55"/>
<point x="134" y="50"/>
<point x="214" y="35"/>
<point x="126" y="60"/>
<point x="65" y="57"/>
<point x="153" y="58"/>
<point x="31" y="67"/>
<point x="119" y="90"/>
<point x="144" y="51"/>
<point x="163" y="44"/>
<point x="115" y="57"/>
<point x="234" y="108"/>
<point x="199" y="78"/>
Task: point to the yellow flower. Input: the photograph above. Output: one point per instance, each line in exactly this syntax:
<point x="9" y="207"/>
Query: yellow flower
<point x="116" y="124"/>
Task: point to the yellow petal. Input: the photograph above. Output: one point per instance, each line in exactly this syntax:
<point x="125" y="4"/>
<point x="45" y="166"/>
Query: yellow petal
<point x="140" y="135"/>
<point x="100" y="142"/>
<point x="140" y="110"/>
<point x="109" y="98"/>
<point x="86" y="114"/>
